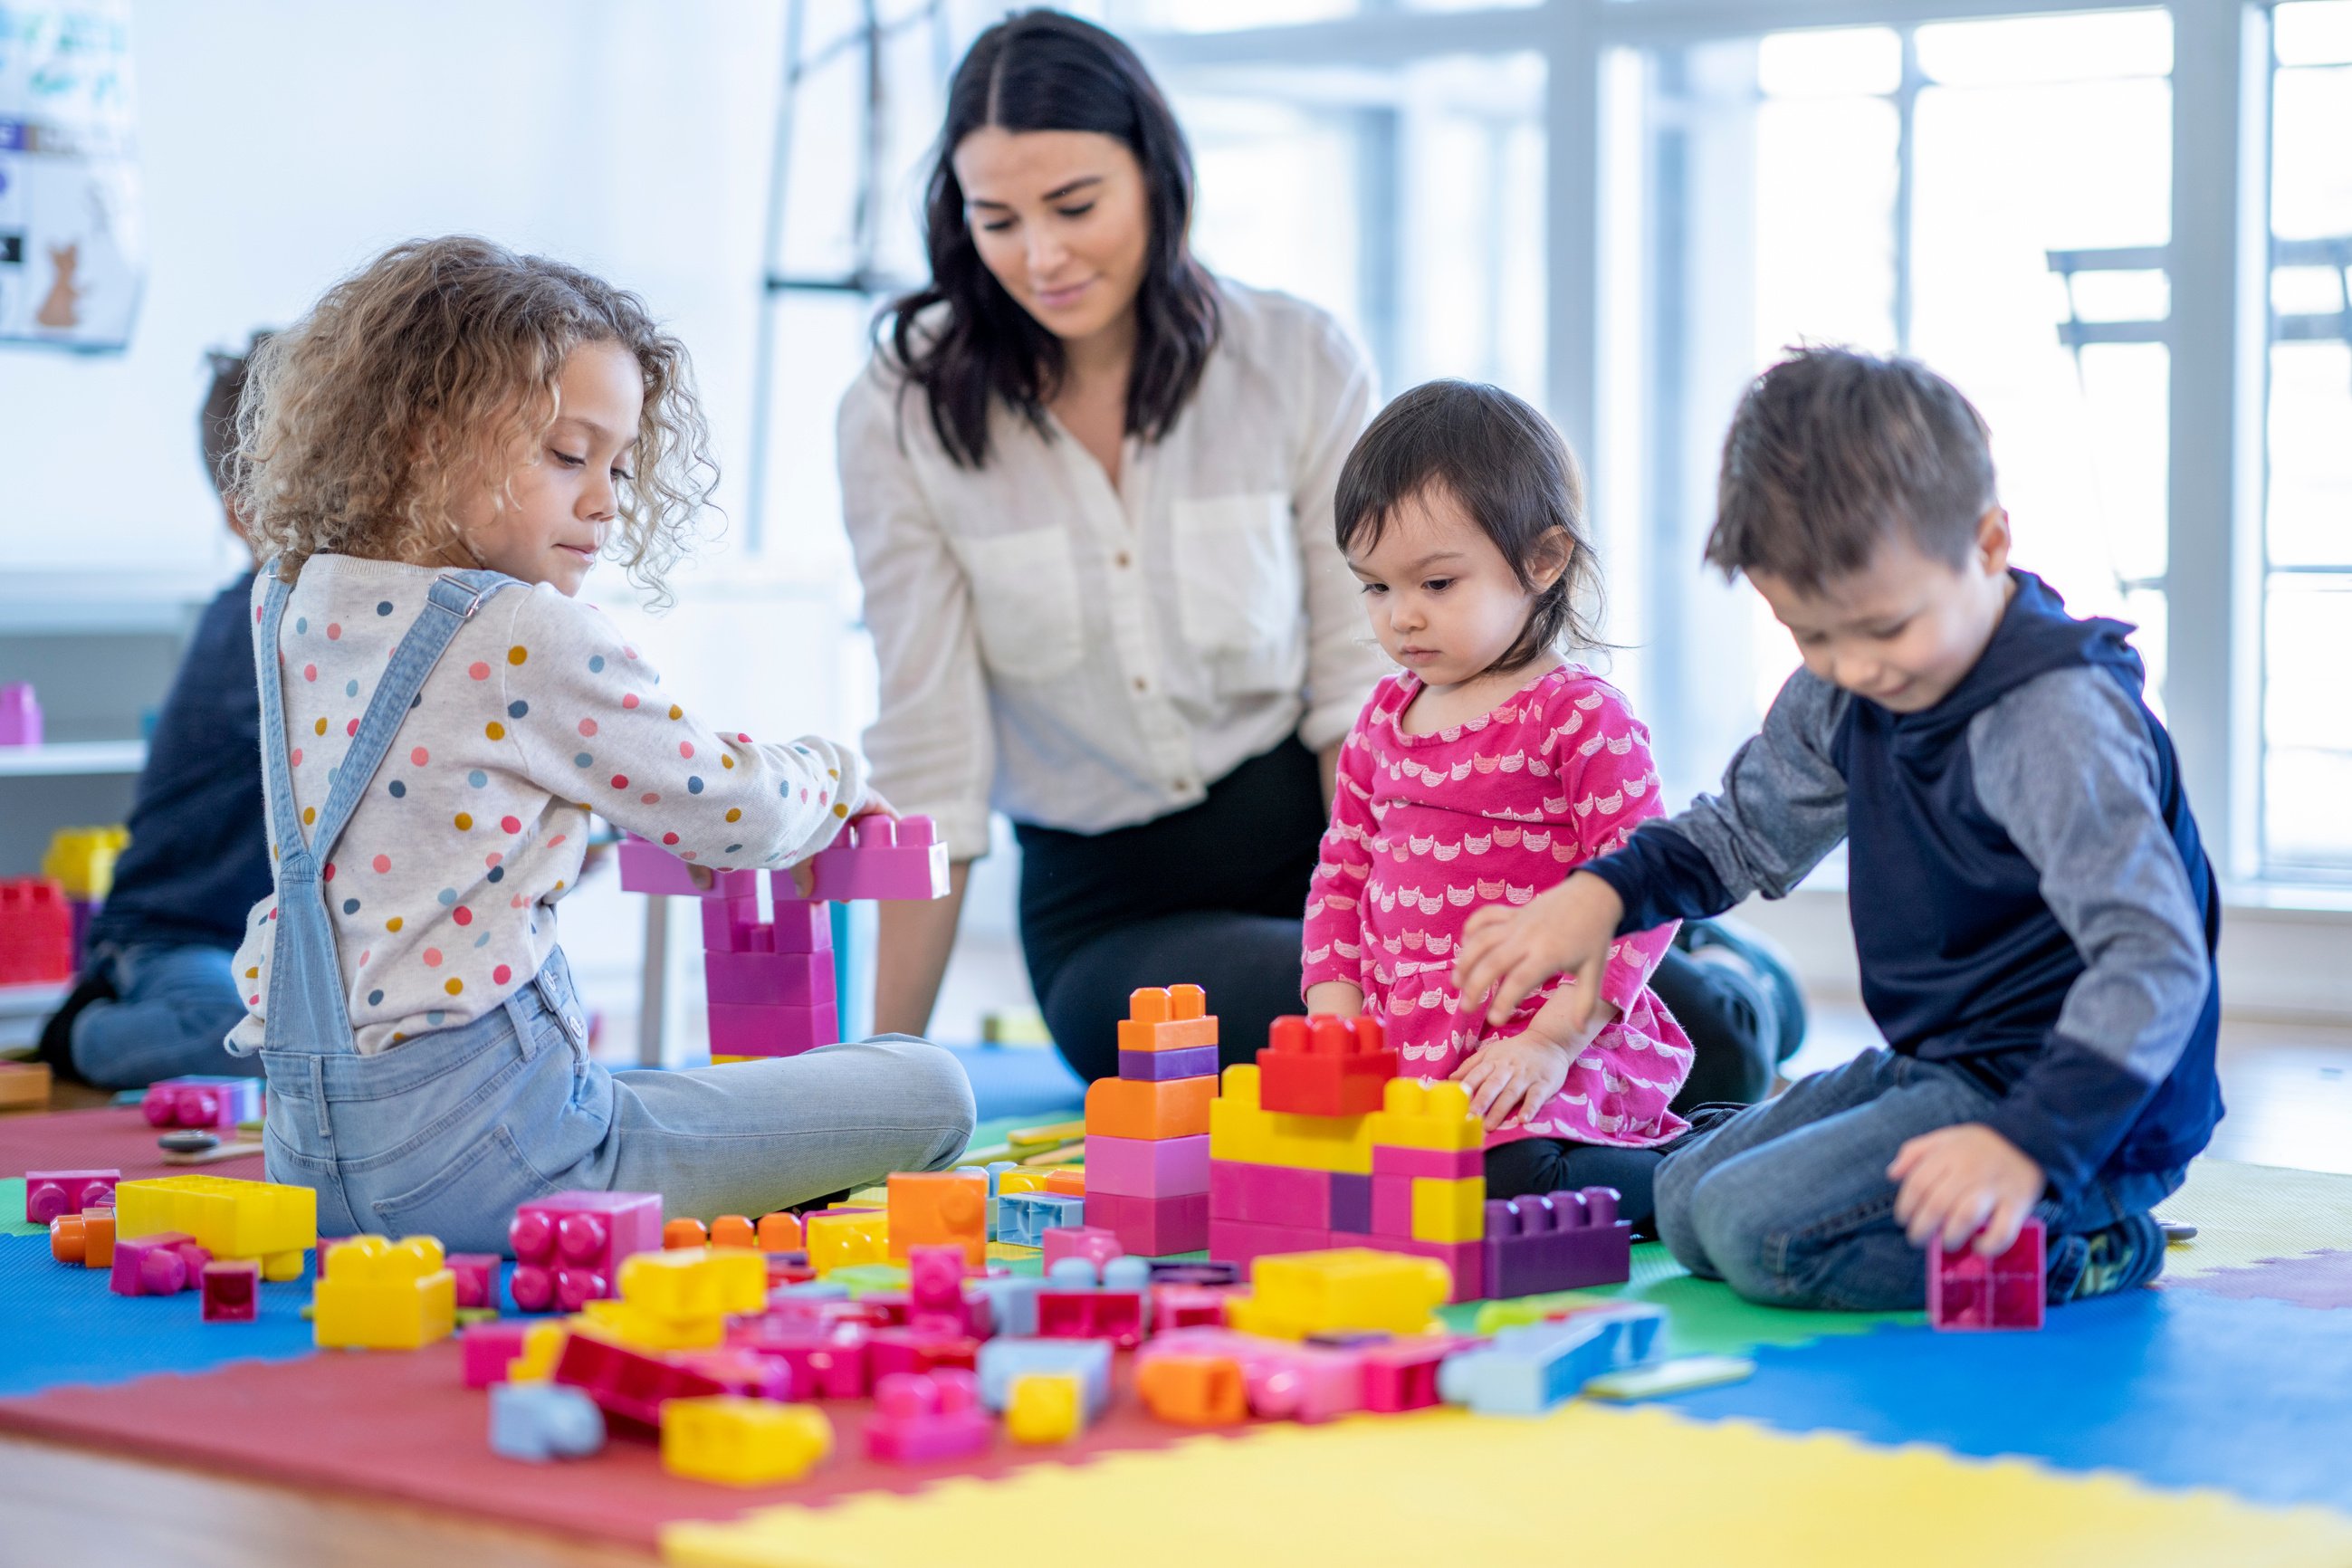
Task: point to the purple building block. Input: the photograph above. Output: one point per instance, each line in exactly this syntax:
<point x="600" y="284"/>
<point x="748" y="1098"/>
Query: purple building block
<point x="1091" y="1242"/>
<point x="1269" y="1194"/>
<point x="568" y="1247"/>
<point x="49" y="1193"/>
<point x="1445" y="1164"/>
<point x="20" y="715"/>
<point x="1351" y="1202"/>
<point x="232" y="1291"/>
<point x="648" y="867"/>
<point x="1968" y="1291"/>
<point x="1564" y="1241"/>
<point x="1148" y="1167"/>
<point x="769" y="979"/>
<point x="164" y="1264"/>
<point x="877" y="857"/>
<point x="204" y="1100"/>
<point x="478" y="1279"/>
<point x="771" y="1031"/>
<point x="1158" y="1067"/>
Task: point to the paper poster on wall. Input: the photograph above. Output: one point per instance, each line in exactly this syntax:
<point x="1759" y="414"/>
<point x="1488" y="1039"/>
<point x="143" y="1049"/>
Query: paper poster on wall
<point x="71" y="257"/>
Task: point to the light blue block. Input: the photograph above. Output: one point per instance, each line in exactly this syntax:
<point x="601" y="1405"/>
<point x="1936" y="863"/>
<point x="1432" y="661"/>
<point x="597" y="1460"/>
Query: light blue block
<point x="1024" y="1218"/>
<point x="1003" y="1359"/>
<point x="1011" y="1300"/>
<point x="994" y="1171"/>
<point x="544" y="1421"/>
<point x="1532" y="1367"/>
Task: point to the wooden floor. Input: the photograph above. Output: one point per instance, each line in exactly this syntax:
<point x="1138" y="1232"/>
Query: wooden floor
<point x="2289" y="1087"/>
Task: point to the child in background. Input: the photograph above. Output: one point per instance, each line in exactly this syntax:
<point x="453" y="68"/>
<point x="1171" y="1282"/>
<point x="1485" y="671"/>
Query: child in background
<point x="1481" y="775"/>
<point x="2031" y="905"/>
<point x="433" y="460"/>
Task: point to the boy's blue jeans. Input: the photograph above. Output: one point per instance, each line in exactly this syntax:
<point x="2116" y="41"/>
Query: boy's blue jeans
<point x="1788" y="1201"/>
<point x="174" y="1005"/>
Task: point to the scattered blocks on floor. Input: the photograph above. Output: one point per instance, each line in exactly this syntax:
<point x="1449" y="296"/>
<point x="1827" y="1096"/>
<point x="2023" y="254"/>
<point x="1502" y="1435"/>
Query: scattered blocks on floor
<point x="1092" y="1243"/>
<point x="1192" y="1390"/>
<point x="1080" y="1302"/>
<point x="678" y="1300"/>
<point x="742" y="1442"/>
<point x="569" y="1247"/>
<point x="267" y="1221"/>
<point x="49" y="1193"/>
<point x="538" y="1422"/>
<point x="939" y="1208"/>
<point x="477" y="1280"/>
<point x="378" y="1294"/>
<point x="1529" y="1369"/>
<point x="160" y="1265"/>
<point x="626" y="1383"/>
<point x="214" y="1102"/>
<point x="1562" y="1241"/>
<point x="1658" y="1379"/>
<point x="1045" y="1407"/>
<point x="1348" y="1288"/>
<point x="87" y="1238"/>
<point x="1967" y="1290"/>
<point x="1024" y="1218"/>
<point x="919" y="1418"/>
<point x="1003" y="1361"/>
<point x="232" y="1291"/>
<point x="842" y="1238"/>
<point x="490" y="1348"/>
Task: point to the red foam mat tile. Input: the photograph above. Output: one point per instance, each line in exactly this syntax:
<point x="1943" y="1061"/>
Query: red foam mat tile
<point x="116" y="1136"/>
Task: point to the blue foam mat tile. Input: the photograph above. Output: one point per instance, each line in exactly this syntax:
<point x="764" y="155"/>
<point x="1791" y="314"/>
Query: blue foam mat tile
<point x="2179" y="1388"/>
<point x="59" y="1324"/>
<point x="1020" y="1080"/>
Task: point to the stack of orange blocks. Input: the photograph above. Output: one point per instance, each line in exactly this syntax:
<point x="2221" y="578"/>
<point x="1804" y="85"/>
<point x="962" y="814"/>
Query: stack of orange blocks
<point x="1148" y="1128"/>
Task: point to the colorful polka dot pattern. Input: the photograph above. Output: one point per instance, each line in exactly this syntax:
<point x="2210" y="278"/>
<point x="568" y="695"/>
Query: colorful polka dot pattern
<point x="538" y="716"/>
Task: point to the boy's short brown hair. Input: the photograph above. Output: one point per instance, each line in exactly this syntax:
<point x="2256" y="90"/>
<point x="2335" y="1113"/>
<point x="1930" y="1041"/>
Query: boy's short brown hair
<point x="1831" y="451"/>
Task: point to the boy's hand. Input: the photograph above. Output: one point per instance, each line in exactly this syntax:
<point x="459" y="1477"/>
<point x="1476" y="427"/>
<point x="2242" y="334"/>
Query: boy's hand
<point x="1567" y="930"/>
<point x="1509" y="1080"/>
<point x="1959" y="1179"/>
<point x="1335" y="997"/>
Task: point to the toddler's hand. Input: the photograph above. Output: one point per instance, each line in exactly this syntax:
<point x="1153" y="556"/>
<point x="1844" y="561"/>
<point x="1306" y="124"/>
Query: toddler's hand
<point x="1509" y="1080"/>
<point x="1959" y="1179"/>
<point x="1565" y="930"/>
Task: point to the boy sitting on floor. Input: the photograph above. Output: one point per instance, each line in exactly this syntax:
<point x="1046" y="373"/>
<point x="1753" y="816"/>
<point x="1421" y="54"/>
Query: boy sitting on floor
<point x="2032" y="908"/>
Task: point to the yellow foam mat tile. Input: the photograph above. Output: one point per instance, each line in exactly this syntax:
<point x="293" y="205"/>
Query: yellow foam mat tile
<point x="2247" y="1212"/>
<point x="1642" y="1485"/>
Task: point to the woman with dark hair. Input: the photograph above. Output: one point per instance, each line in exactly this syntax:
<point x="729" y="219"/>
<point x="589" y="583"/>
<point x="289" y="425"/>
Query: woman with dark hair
<point x="1089" y="487"/>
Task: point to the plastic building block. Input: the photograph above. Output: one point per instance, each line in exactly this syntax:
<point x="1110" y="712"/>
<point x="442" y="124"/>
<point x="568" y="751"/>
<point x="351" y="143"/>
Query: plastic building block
<point x="733" y="1230"/>
<point x="1449" y="1210"/>
<point x="1204" y="1390"/>
<point x="1151" y="1067"/>
<point x="1021" y="1180"/>
<point x="20" y="714"/>
<point x="833" y="1362"/>
<point x="878" y="858"/>
<point x="539" y="1421"/>
<point x="1174" y="1018"/>
<point x="542" y="1347"/>
<point x="939" y="1208"/>
<point x="1968" y="1291"/>
<point x="629" y="1384"/>
<point x="1070" y="1180"/>
<point x="741" y="1442"/>
<point x="1024" y="1218"/>
<point x="779" y="1232"/>
<point x="1135" y="1108"/>
<point x="1045" y="1407"/>
<point x="840" y="1238"/>
<point x="231" y="1291"/>
<point x="162" y="1265"/>
<point x="1002" y="1362"/>
<point x="1418" y="1115"/>
<point x="1194" y="1271"/>
<point x="1076" y="1305"/>
<point x="1351" y="1202"/>
<point x="1188" y="1307"/>
<point x="1659" y="1379"/>
<point x="489" y="1349"/>
<point x="1466" y="1261"/>
<point x="1012" y="1301"/>
<point x="87" y="1238"/>
<point x="648" y="867"/>
<point x="378" y="1294"/>
<point x="771" y="1031"/>
<point x="1271" y="1195"/>
<point x="477" y="1280"/>
<point x="696" y="1284"/>
<point x="35" y="932"/>
<point x="270" y="1222"/>
<point x="1325" y="1066"/>
<point x="49" y="1193"/>
<point x="23" y="1086"/>
<point x="1091" y="1242"/>
<point x="1239" y="1129"/>
<point x="1349" y="1288"/>
<point x="1402" y="1374"/>
<point x="1148" y="1167"/>
<point x="1444" y="1164"/>
<point x="1279" y="1380"/>
<point x="684" y="1232"/>
<point x="732" y="923"/>
<point x="1153" y="1227"/>
<point x="769" y="979"/>
<point x="201" y="1101"/>
<point x="569" y="1247"/>
<point x="81" y="860"/>
<point x="919" y="1349"/>
<point x="918" y="1418"/>
<point x="1563" y="1241"/>
<point x="1528" y="1370"/>
<point x="1243" y="1242"/>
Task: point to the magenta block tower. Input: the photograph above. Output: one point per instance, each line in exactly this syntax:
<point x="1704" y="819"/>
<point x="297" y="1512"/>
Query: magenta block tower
<point x="202" y="1100"/>
<point x="568" y="1247"/>
<point x="49" y="1193"/>
<point x="1968" y="1291"/>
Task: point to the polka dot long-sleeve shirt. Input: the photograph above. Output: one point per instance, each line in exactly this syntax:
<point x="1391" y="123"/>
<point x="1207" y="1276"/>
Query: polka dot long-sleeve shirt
<point x="1428" y="827"/>
<point x="443" y="888"/>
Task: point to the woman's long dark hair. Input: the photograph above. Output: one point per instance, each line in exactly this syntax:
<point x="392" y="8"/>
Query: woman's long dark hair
<point x="1042" y="70"/>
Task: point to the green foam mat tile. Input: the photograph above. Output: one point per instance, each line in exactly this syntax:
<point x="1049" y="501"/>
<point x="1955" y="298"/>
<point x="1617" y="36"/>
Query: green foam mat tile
<point x="2245" y="1214"/>
<point x="12" y="1209"/>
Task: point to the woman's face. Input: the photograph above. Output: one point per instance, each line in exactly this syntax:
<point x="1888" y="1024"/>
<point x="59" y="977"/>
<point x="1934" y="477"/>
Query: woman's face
<point x="1062" y="220"/>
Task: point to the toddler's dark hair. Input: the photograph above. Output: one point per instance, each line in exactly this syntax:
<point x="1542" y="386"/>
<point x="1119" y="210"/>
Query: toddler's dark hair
<point x="217" y="417"/>
<point x="1833" y="450"/>
<point x="1504" y="464"/>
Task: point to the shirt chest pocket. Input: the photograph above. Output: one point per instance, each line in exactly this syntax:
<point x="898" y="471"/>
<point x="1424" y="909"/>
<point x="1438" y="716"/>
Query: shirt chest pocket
<point x="1024" y="595"/>
<point x="1238" y="592"/>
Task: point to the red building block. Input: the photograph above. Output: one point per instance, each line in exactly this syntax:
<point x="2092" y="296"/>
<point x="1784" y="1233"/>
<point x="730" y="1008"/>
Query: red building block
<point x="568" y="1247"/>
<point x="49" y="1193"/>
<point x="478" y="1279"/>
<point x="35" y="932"/>
<point x="625" y="1384"/>
<point x="1173" y="1019"/>
<point x="919" y="1418"/>
<point x="164" y="1264"/>
<point x="1968" y="1291"/>
<point x="232" y="1291"/>
<point x="489" y="1347"/>
<point x="1325" y="1066"/>
<point x="878" y="858"/>
<point x="1146" y="1167"/>
<point x="1564" y="1241"/>
<point x="1153" y="1227"/>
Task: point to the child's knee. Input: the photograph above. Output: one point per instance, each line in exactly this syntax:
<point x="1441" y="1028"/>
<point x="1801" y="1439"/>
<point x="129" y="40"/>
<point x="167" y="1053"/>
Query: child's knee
<point x="936" y="1094"/>
<point x="1732" y="1224"/>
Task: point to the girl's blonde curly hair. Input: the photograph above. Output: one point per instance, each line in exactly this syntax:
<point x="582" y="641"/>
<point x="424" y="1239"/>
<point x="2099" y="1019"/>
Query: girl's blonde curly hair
<point x="432" y="366"/>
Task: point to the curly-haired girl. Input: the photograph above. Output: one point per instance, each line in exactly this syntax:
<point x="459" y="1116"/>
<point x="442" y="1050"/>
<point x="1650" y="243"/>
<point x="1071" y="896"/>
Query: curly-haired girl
<point x="435" y="457"/>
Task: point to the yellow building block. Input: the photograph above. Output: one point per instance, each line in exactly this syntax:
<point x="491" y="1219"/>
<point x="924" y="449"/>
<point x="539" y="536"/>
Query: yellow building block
<point x="1239" y="1130"/>
<point x="379" y="1294"/>
<point x="1045" y="1407"/>
<point x="231" y="1219"/>
<point x="1447" y="1209"/>
<point x="1419" y="1114"/>
<point x="82" y="859"/>
<point x="542" y="1347"/>
<point x="742" y="1442"/>
<point x="1032" y="1180"/>
<point x="628" y="1324"/>
<point x="1347" y="1289"/>
<point x="841" y="1239"/>
<point x="696" y="1282"/>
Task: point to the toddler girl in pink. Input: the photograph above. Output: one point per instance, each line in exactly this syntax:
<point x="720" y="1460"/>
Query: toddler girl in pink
<point x="1484" y="772"/>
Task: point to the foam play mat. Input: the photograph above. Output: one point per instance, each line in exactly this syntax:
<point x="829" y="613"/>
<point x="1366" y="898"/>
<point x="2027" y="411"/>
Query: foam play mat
<point x="2200" y="1423"/>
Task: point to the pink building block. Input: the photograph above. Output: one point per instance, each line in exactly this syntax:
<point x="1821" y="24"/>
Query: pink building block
<point x="916" y="1349"/>
<point x="877" y="857"/>
<point x="211" y="1101"/>
<point x="1391" y="1206"/>
<point x="49" y="1193"/>
<point x="1282" y="1380"/>
<point x="20" y="715"/>
<point x="740" y="1371"/>
<point x="1188" y="1307"/>
<point x="1564" y="1241"/>
<point x="1094" y="1243"/>
<point x="1146" y="1167"/>
<point x="489" y="1347"/>
<point x="1402" y="1374"/>
<point x="935" y="1299"/>
<point x="164" y="1264"/>
<point x="828" y="1363"/>
<point x="1445" y="1164"/>
<point x="1240" y="1241"/>
<point x="769" y="979"/>
<point x="568" y="1247"/>
<point x="1152" y="1227"/>
<point x="771" y="1031"/>
<point x="478" y="1279"/>
<point x="627" y="1384"/>
<point x="648" y="867"/>
<point x="921" y="1417"/>
<point x="1968" y="1291"/>
<point x="1270" y="1195"/>
<point x="232" y="1291"/>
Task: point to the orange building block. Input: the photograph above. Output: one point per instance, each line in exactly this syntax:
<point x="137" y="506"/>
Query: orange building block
<point x="779" y="1232"/>
<point x="683" y="1232"/>
<point x="733" y="1230"/>
<point x="1193" y="1390"/>
<point x="1131" y="1108"/>
<point x="1173" y="1020"/>
<point x="1067" y="1184"/>
<point x="939" y="1208"/>
<point x="87" y="1238"/>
